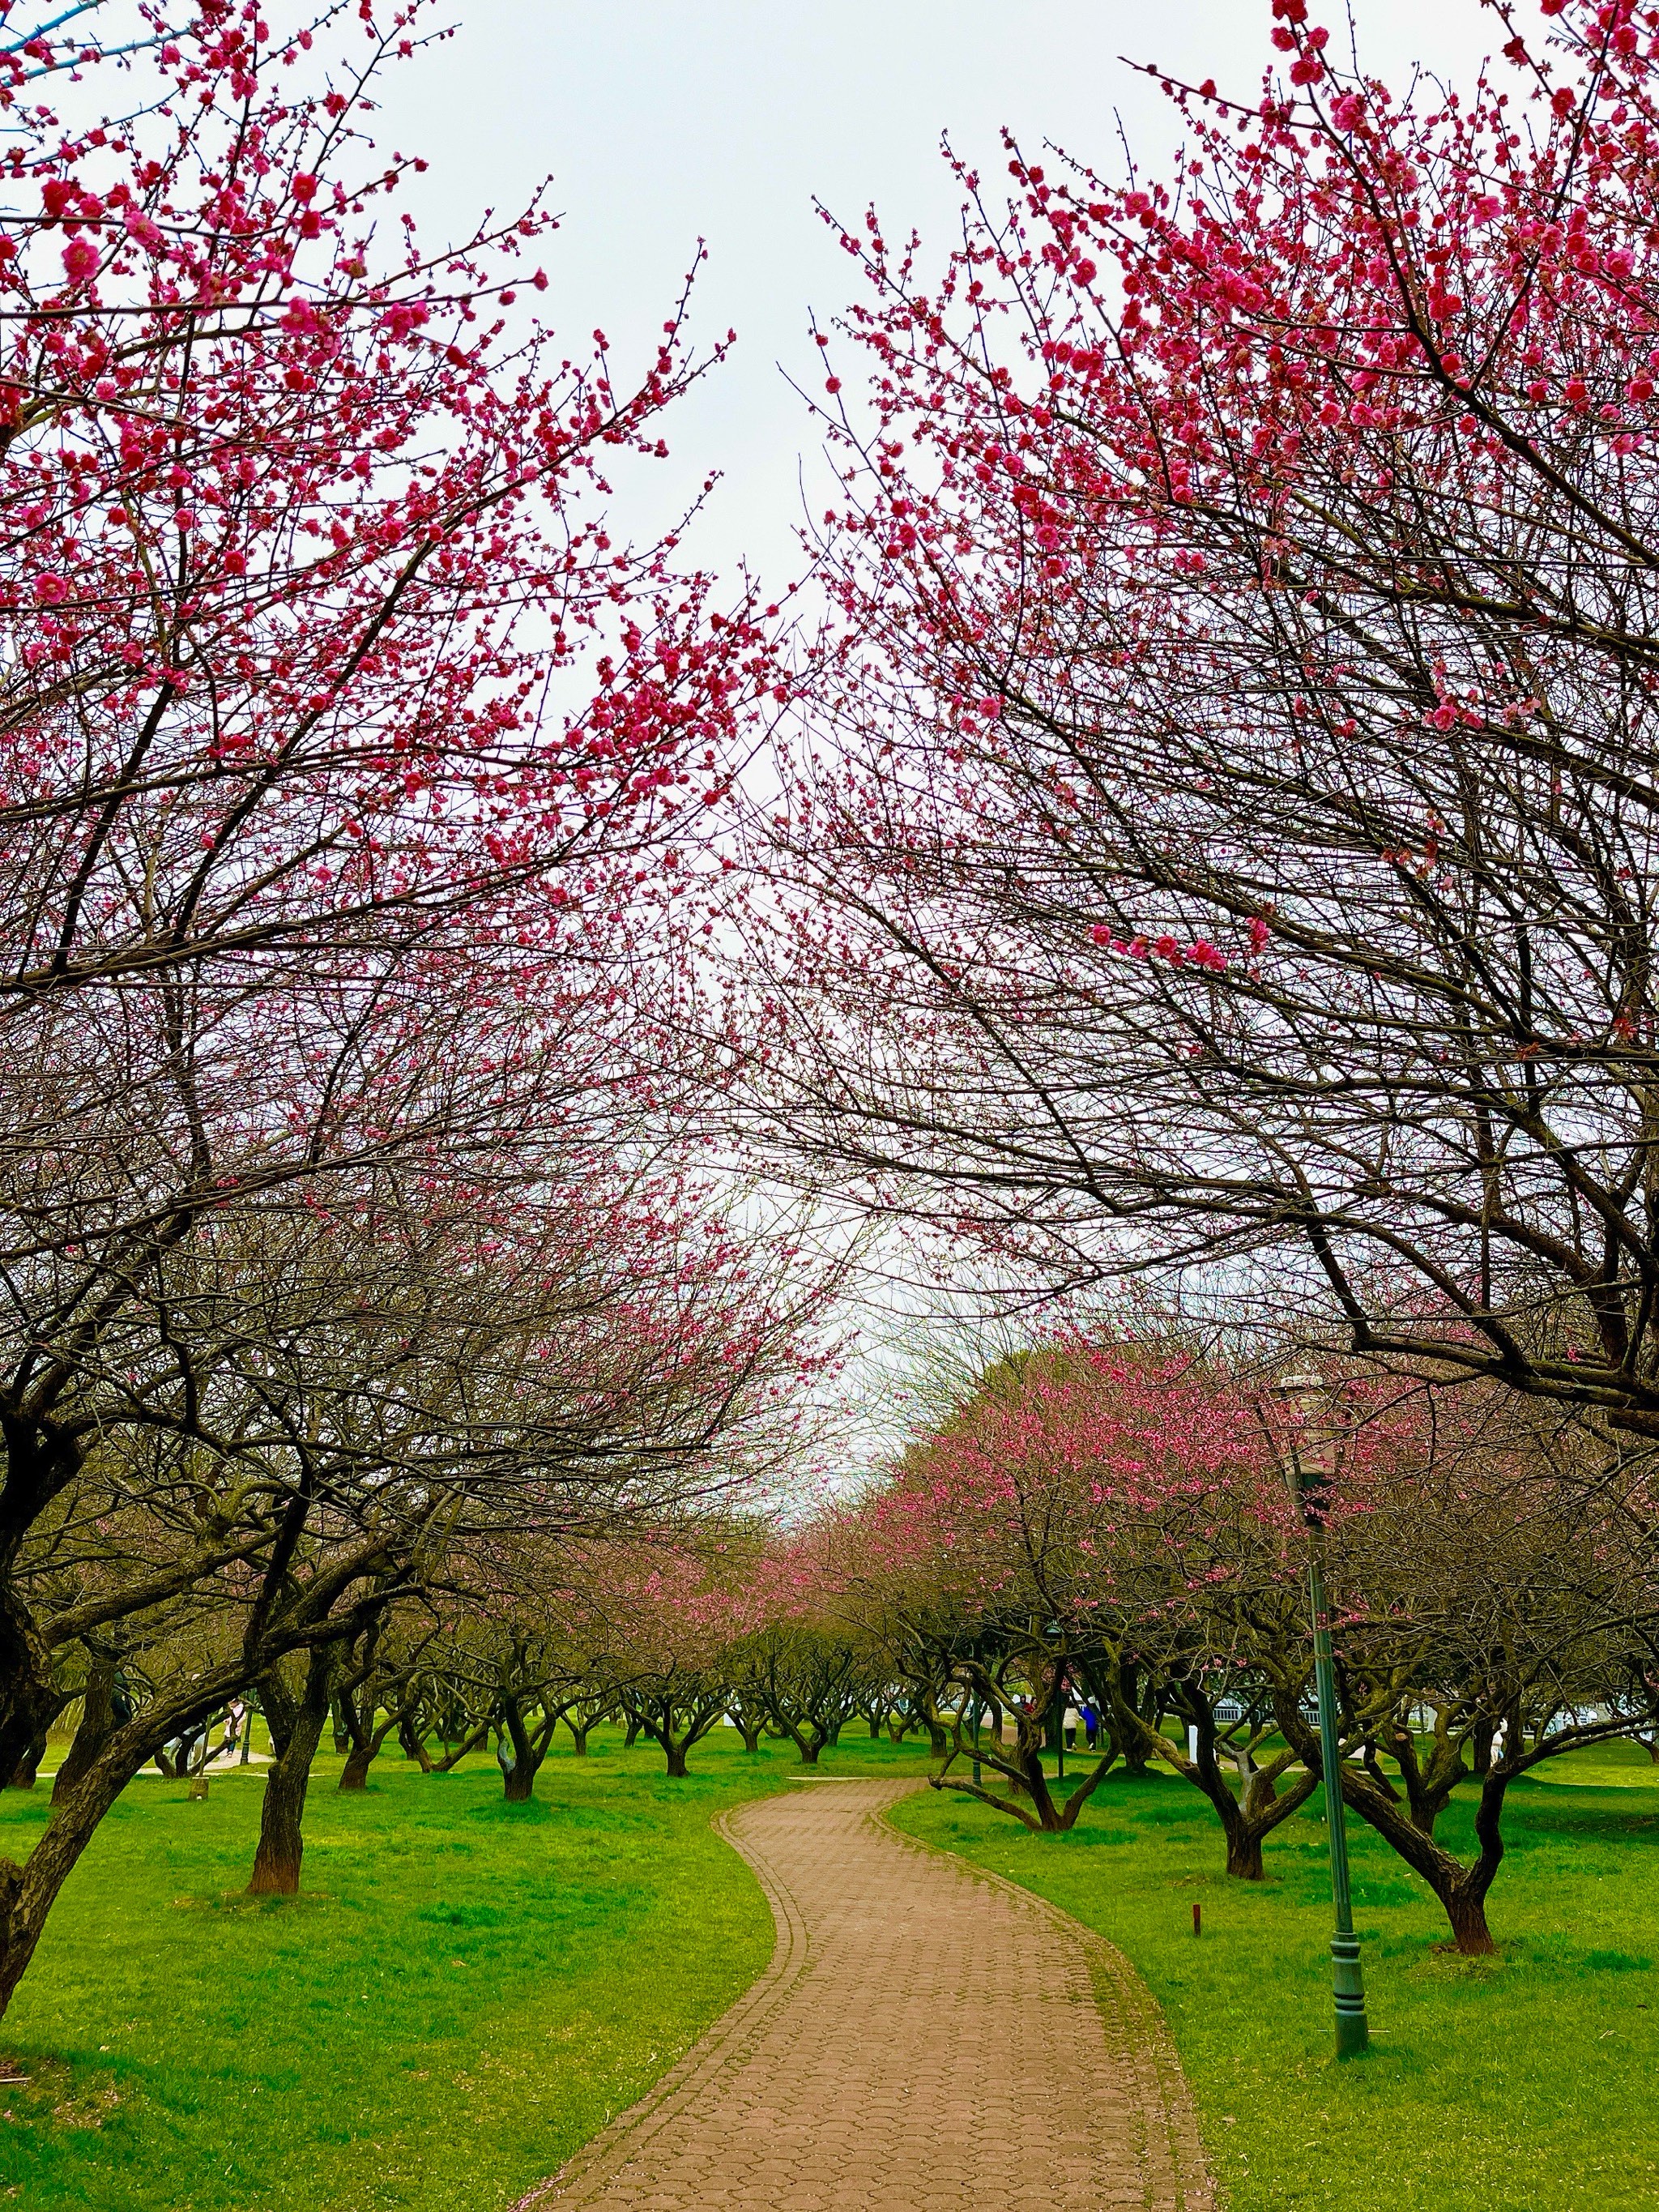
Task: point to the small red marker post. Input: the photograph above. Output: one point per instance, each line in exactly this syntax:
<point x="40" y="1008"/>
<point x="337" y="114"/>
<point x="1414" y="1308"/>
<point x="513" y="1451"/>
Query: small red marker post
<point x="1198" y="1918"/>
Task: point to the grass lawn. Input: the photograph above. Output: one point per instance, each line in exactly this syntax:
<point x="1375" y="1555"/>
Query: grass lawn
<point x="468" y="1992"/>
<point x="470" y="1988"/>
<point x="1522" y="2083"/>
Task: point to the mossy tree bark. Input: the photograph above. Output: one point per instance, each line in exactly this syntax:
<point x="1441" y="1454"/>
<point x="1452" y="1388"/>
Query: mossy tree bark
<point x="101" y="1712"/>
<point x="296" y="1720"/>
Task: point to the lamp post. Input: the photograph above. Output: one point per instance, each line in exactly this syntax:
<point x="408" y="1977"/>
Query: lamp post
<point x="1307" y="1485"/>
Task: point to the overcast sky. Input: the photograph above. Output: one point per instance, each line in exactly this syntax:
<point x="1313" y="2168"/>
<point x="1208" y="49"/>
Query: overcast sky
<point x="663" y="120"/>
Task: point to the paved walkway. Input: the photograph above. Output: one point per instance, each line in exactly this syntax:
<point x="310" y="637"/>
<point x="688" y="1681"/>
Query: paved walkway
<point x="927" y="2039"/>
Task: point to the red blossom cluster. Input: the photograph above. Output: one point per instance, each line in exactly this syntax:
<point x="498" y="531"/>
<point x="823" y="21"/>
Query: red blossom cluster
<point x="303" y="543"/>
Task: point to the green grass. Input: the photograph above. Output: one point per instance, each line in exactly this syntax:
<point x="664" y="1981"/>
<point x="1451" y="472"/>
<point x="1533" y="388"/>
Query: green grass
<point x="1521" y="2084"/>
<point x="468" y="1992"/>
<point x="470" y="1989"/>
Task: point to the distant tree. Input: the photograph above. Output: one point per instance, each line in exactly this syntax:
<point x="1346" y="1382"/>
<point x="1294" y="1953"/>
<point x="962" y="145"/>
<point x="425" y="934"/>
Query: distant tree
<point x="803" y="1676"/>
<point x="1496" y="1610"/>
<point x="660" y="1625"/>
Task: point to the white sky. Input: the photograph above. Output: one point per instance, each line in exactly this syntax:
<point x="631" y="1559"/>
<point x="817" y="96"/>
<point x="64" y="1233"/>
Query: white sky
<point x="661" y="120"/>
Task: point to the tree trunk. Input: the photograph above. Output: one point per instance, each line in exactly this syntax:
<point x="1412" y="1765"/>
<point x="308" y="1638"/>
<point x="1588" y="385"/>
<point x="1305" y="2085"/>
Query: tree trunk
<point x="578" y="1737"/>
<point x="24" y="1775"/>
<point x="365" y="1750"/>
<point x="1465" y="1907"/>
<point x="1132" y="1693"/>
<point x="354" y="1775"/>
<point x="413" y="1744"/>
<point x="1462" y="1890"/>
<point x="518" y="1779"/>
<point x="468" y="1744"/>
<point x="28" y="1703"/>
<point x="296" y="1730"/>
<point x="675" y="1754"/>
<point x="97" y="1724"/>
<point x="1245" y="1854"/>
<point x="633" y="1735"/>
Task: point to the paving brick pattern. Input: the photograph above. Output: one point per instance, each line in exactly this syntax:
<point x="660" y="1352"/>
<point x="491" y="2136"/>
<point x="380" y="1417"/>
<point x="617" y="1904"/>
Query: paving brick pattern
<point x="927" y="2039"/>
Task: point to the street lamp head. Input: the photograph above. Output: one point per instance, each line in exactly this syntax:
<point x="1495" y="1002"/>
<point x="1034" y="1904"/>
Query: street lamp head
<point x="1304" y="1388"/>
<point x="1298" y="1383"/>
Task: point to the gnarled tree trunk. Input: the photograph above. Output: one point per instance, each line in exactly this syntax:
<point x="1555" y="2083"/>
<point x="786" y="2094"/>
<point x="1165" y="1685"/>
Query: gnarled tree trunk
<point x="1461" y="1889"/>
<point x="27" y="1771"/>
<point x="519" y="1773"/>
<point x="98" y="1724"/>
<point x="297" y="1728"/>
<point x="457" y="1753"/>
<point x="365" y="1750"/>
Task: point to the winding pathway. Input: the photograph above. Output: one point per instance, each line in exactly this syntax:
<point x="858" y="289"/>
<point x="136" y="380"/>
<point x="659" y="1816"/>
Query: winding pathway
<point x="927" y="2039"/>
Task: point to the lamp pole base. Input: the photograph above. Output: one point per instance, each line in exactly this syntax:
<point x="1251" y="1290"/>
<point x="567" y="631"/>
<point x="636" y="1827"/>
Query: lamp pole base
<point x="1353" y="2032"/>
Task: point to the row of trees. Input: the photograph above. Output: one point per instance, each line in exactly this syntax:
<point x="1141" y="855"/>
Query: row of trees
<point x="1118" y="1523"/>
<point x="350" y="771"/>
<point x="1106" y="1525"/>
<point x="543" y="1636"/>
<point x="1218" y="841"/>
<point x="1224" y="845"/>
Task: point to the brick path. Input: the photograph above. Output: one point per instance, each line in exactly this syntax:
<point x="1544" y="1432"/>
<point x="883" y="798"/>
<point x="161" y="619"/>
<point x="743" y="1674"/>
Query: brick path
<point x="925" y="2037"/>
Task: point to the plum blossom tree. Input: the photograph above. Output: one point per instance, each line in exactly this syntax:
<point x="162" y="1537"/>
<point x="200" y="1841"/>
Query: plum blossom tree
<point x="1232" y="810"/>
<point x="1090" y="1509"/>
<point x="348" y="768"/>
<point x="346" y="764"/>
<point x="430" y="1407"/>
<point x="800" y="1671"/>
<point x="1058" y="1534"/>
<point x="661" y="1625"/>
<point x="1496" y="1610"/>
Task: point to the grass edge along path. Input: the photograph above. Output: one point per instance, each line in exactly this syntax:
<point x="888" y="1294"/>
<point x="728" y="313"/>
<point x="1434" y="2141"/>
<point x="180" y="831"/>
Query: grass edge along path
<point x="1514" y="2084"/>
<point x="467" y="1992"/>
